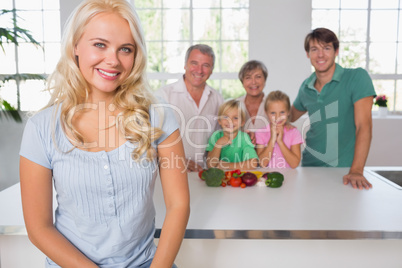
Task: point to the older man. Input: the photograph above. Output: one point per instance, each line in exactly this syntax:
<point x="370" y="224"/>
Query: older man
<point x="195" y="103"/>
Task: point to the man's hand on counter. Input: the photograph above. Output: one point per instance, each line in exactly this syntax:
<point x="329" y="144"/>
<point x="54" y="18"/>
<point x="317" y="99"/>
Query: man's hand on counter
<point x="357" y="180"/>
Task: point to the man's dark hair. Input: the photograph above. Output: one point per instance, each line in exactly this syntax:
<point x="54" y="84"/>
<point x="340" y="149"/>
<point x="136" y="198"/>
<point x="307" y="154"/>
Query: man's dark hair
<point x="321" y="35"/>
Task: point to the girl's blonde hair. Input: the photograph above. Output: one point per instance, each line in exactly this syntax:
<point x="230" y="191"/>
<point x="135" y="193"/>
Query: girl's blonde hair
<point x="231" y="104"/>
<point x="70" y="89"/>
<point x="277" y="96"/>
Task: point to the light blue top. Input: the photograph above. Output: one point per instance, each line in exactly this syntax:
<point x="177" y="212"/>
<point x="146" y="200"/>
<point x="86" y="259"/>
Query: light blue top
<point x="105" y="199"/>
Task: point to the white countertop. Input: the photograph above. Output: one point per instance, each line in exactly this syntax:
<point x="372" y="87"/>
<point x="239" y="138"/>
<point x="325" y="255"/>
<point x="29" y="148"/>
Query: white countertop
<point x="312" y="203"/>
<point x="311" y="199"/>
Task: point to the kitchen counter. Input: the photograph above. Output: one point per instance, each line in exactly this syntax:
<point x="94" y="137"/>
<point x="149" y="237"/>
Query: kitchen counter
<point x="312" y="205"/>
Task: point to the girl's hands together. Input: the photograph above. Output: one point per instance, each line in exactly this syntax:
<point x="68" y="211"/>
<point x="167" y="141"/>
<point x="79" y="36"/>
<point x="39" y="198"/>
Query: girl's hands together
<point x="277" y="130"/>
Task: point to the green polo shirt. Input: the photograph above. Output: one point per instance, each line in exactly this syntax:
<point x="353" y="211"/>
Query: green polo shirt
<point x="240" y="150"/>
<point x="330" y="141"/>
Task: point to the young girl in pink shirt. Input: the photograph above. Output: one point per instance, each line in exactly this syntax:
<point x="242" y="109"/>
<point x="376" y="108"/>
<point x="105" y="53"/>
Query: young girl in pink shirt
<point x="278" y="144"/>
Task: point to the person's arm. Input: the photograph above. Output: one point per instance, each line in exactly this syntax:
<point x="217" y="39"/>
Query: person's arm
<point x="248" y="155"/>
<point x="265" y="152"/>
<point x="173" y="177"/>
<point x="251" y="134"/>
<point x="192" y="166"/>
<point x="215" y="154"/>
<point x="295" y="114"/>
<point x="213" y="157"/>
<point x="364" y="124"/>
<point x="292" y="155"/>
<point x="37" y="200"/>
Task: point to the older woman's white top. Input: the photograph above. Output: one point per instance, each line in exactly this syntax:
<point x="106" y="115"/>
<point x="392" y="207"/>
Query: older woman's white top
<point x="261" y="119"/>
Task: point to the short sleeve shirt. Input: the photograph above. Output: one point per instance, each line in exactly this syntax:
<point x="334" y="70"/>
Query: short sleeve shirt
<point x="240" y="150"/>
<point x="261" y="119"/>
<point x="105" y="199"/>
<point x="330" y="141"/>
<point x="290" y="137"/>
<point x="197" y="123"/>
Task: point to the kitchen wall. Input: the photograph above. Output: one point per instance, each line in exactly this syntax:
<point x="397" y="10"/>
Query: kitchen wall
<point x="277" y="30"/>
<point x="10" y="138"/>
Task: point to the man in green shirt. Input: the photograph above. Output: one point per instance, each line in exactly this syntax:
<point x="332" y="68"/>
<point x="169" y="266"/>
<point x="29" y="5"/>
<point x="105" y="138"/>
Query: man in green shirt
<point x="338" y="101"/>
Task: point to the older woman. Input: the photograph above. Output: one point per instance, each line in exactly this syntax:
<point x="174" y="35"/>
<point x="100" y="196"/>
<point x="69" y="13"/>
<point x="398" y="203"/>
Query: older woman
<point x="253" y="75"/>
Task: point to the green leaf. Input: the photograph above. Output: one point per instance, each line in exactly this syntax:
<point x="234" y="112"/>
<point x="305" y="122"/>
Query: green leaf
<point x="22" y="77"/>
<point x="11" y="35"/>
<point x="8" y="111"/>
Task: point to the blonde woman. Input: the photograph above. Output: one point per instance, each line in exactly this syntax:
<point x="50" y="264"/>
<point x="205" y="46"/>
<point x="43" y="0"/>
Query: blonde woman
<point x="99" y="141"/>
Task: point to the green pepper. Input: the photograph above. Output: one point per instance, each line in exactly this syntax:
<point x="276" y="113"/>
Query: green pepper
<point x="274" y="179"/>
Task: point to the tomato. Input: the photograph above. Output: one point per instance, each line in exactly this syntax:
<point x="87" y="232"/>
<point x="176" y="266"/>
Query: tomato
<point x="228" y="174"/>
<point x="200" y="173"/>
<point x="223" y="184"/>
<point x="243" y="185"/>
<point x="235" y="182"/>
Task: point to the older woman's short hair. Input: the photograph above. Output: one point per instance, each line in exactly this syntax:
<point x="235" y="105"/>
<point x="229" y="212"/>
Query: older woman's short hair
<point x="251" y="66"/>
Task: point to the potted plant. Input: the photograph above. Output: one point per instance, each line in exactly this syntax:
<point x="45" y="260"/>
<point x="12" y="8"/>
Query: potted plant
<point x="13" y="35"/>
<point x="381" y="101"/>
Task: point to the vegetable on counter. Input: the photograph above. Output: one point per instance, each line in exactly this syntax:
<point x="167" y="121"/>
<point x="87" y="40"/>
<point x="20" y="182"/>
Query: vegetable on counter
<point x="213" y="177"/>
<point x="257" y="173"/>
<point x="235" y="181"/>
<point x="273" y="179"/>
<point x="200" y="174"/>
<point x="249" y="179"/>
<point x="232" y="173"/>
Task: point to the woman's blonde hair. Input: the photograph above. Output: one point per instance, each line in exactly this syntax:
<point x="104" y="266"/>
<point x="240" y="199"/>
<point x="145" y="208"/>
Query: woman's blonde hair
<point x="232" y="104"/>
<point x="70" y="89"/>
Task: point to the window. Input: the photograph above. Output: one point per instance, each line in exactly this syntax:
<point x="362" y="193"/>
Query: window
<point x="42" y="19"/>
<point x="170" y="27"/>
<point x="370" y="32"/>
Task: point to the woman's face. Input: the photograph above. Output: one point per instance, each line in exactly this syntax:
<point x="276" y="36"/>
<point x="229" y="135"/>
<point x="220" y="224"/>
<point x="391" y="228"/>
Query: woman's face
<point x="254" y="82"/>
<point x="105" y="53"/>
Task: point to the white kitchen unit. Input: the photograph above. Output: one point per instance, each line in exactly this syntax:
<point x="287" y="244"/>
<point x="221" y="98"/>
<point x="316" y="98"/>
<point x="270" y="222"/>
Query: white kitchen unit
<point x="313" y="220"/>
